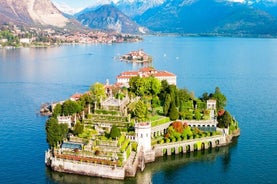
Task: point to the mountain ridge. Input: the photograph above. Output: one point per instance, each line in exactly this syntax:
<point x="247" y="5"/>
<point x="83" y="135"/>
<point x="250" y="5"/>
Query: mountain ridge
<point x="108" y="17"/>
<point x="208" y="17"/>
<point x="36" y="14"/>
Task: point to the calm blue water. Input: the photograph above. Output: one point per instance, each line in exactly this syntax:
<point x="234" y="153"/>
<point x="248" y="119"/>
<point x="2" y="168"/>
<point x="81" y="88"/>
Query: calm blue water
<point x="244" y="69"/>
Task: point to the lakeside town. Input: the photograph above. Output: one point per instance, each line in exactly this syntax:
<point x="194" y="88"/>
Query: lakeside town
<point x="113" y="130"/>
<point x="19" y="36"/>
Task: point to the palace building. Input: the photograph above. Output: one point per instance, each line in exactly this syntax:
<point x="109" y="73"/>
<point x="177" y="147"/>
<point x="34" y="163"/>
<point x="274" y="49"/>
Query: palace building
<point x="124" y="77"/>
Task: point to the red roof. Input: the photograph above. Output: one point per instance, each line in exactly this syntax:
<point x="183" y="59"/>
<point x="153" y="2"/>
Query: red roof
<point x="164" y="74"/>
<point x="147" y="69"/>
<point x="145" y="72"/>
<point x="76" y="96"/>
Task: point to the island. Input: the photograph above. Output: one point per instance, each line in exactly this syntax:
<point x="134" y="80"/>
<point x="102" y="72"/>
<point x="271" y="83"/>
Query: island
<point x="138" y="56"/>
<point x="112" y="130"/>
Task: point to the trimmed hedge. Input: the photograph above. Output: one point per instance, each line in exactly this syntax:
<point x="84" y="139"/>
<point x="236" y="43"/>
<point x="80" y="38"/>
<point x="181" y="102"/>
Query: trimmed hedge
<point x="160" y="121"/>
<point x="121" y="140"/>
<point x="124" y="145"/>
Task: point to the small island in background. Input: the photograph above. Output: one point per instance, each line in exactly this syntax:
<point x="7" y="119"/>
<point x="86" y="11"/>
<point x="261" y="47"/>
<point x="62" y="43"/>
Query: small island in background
<point x="114" y="129"/>
<point x="138" y="56"/>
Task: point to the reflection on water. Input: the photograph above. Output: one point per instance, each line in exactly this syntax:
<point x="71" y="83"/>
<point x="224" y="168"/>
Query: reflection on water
<point x="166" y="165"/>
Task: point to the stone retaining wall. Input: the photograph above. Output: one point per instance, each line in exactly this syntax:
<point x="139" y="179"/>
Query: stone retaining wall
<point x="89" y="169"/>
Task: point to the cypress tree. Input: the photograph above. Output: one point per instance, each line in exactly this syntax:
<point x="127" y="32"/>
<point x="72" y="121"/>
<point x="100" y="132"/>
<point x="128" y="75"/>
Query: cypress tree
<point x="173" y="112"/>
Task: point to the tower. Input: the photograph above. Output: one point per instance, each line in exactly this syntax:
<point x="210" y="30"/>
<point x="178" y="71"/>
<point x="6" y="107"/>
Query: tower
<point x="143" y="135"/>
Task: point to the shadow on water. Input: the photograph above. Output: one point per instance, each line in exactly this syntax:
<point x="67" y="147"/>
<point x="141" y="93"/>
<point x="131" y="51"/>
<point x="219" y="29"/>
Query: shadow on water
<point x="166" y="164"/>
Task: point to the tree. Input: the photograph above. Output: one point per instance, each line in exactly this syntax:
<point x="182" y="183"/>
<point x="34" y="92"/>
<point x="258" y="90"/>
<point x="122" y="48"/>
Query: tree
<point x="220" y="99"/>
<point x="188" y="115"/>
<point x="133" y="84"/>
<point x="138" y="85"/>
<point x="163" y="91"/>
<point x="197" y="114"/>
<point x="57" y="110"/>
<point x="78" y="128"/>
<point x="71" y="107"/>
<point x="51" y="132"/>
<point x="178" y="126"/>
<point x="155" y="86"/>
<point x="63" y="130"/>
<point x="184" y="95"/>
<point x="173" y="112"/>
<point x="86" y="99"/>
<point x="173" y="91"/>
<point x="140" y="111"/>
<point x="55" y="132"/>
<point x="205" y="97"/>
<point x="224" y="120"/>
<point x="98" y="91"/>
<point x="115" y="132"/>
<point x="155" y="102"/>
<point x="167" y="104"/>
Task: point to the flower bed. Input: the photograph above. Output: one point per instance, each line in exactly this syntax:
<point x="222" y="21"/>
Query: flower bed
<point x="87" y="159"/>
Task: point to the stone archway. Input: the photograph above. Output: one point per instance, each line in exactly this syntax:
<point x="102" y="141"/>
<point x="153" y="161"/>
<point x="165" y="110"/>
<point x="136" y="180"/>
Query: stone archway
<point x="180" y="149"/>
<point x="173" y="151"/>
<point x="188" y="148"/>
<point x="210" y="144"/>
<point x="164" y="151"/>
<point x="203" y="146"/>
<point x="195" y="147"/>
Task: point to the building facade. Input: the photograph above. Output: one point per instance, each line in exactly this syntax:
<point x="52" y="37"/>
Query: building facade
<point x="124" y="78"/>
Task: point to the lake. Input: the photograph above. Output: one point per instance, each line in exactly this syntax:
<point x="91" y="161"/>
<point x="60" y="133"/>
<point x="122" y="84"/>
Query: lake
<point x="245" y="69"/>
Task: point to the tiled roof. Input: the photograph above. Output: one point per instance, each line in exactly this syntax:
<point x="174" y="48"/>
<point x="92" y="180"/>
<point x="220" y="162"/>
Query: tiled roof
<point x="147" y="69"/>
<point x="164" y="74"/>
<point x="76" y="96"/>
<point x="145" y="72"/>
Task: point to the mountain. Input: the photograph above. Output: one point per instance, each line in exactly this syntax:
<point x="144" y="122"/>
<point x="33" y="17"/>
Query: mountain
<point x="267" y="6"/>
<point x="32" y="13"/>
<point x="215" y="17"/>
<point x="134" y="8"/>
<point x="108" y="17"/>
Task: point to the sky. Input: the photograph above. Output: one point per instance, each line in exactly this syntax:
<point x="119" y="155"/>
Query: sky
<point x="77" y="5"/>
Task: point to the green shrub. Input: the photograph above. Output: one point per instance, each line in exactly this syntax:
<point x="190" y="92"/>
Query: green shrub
<point x="197" y="115"/>
<point x="128" y="151"/>
<point x="121" y="140"/>
<point x="89" y="116"/>
<point x="160" y="121"/>
<point x="124" y="145"/>
<point x="134" y="146"/>
<point x="115" y="132"/>
<point x="173" y="139"/>
<point x="161" y="141"/>
<point x="184" y="137"/>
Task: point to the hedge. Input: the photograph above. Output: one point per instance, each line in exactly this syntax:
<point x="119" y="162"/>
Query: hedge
<point x="124" y="145"/>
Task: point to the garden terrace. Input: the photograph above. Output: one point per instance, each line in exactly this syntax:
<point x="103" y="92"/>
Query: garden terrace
<point x="109" y="143"/>
<point x="120" y="121"/>
<point x="161" y="121"/>
<point x="98" y="152"/>
<point x="88" y="159"/>
<point x="112" y="103"/>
